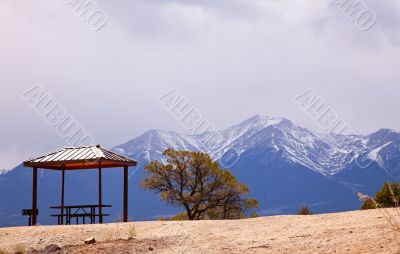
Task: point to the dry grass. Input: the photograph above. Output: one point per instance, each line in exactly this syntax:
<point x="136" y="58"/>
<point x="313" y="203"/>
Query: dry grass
<point x="132" y="231"/>
<point x="351" y="232"/>
<point x="391" y="215"/>
<point x="19" y="249"/>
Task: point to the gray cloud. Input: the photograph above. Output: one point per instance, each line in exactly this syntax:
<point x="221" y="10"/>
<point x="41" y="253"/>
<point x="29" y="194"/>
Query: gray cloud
<point x="232" y="59"/>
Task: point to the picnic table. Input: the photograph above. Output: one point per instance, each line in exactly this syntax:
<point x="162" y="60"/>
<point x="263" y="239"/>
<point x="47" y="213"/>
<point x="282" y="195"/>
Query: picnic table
<point x="77" y="212"/>
<point x="29" y="213"/>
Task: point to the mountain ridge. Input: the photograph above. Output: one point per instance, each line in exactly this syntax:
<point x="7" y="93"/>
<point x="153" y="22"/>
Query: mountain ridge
<point x="326" y="154"/>
<point x="285" y="165"/>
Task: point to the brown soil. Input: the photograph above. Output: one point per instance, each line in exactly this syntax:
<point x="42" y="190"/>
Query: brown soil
<point x="351" y="232"/>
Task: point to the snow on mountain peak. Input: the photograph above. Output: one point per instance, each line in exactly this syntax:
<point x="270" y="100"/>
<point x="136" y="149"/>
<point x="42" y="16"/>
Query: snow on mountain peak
<point x="374" y="154"/>
<point x="326" y="155"/>
<point x="153" y="143"/>
<point x="257" y="121"/>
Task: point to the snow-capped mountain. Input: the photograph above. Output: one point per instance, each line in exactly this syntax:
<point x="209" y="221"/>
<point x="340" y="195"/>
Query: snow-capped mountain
<point x="285" y="166"/>
<point x="324" y="171"/>
<point x="152" y="144"/>
<point x="324" y="154"/>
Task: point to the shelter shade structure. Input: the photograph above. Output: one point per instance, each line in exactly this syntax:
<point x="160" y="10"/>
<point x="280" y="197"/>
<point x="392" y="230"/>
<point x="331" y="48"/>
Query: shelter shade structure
<point x="77" y="158"/>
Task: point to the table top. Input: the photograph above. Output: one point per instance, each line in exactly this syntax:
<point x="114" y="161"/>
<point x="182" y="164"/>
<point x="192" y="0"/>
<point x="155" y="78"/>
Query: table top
<point x="79" y="206"/>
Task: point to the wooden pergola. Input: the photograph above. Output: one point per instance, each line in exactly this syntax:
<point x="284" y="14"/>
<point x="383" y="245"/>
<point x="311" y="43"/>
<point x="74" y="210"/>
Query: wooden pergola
<point x="76" y="158"/>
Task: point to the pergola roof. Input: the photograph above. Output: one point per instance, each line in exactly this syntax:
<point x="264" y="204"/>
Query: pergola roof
<point x="86" y="157"/>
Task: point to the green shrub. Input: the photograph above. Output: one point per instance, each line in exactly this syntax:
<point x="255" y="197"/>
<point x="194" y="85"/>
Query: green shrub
<point x="388" y="196"/>
<point x="368" y="204"/>
<point x="254" y="215"/>
<point x="304" y="211"/>
<point x="180" y="216"/>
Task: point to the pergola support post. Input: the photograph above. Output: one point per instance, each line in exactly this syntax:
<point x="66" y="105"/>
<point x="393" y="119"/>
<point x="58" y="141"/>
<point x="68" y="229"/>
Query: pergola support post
<point x="126" y="194"/>
<point x="34" y="196"/>
<point x="62" y="195"/>
<point x="100" y="197"/>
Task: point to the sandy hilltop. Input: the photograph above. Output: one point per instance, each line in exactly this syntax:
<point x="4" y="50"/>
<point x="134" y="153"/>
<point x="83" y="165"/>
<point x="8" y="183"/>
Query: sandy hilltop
<point x="350" y="232"/>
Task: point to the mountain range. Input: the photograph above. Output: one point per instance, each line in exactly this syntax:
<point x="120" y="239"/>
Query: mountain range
<point x="285" y="165"/>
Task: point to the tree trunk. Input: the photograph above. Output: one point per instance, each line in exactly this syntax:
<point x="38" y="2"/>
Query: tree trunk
<point x="189" y="214"/>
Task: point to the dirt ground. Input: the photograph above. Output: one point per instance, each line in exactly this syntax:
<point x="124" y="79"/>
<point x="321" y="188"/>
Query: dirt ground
<point x="351" y="232"/>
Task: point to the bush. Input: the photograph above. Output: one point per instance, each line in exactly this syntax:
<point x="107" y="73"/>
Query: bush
<point x="179" y="217"/>
<point x="368" y="204"/>
<point x="254" y="215"/>
<point x="387" y="197"/>
<point x="304" y="211"/>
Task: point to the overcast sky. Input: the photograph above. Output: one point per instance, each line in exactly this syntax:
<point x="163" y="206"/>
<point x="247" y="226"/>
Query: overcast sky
<point x="232" y="59"/>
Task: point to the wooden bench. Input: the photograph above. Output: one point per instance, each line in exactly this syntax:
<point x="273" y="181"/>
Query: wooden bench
<point x="84" y="216"/>
<point x="77" y="212"/>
